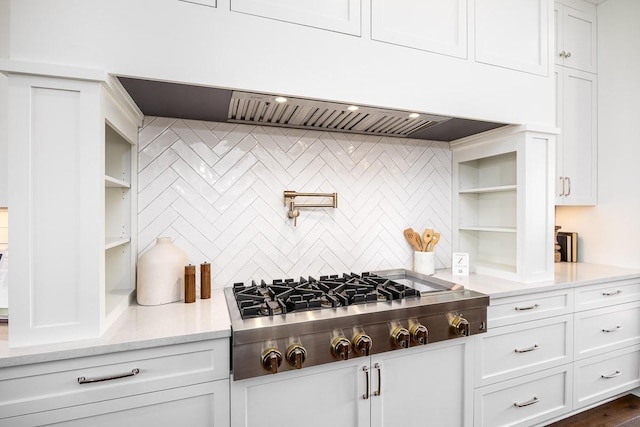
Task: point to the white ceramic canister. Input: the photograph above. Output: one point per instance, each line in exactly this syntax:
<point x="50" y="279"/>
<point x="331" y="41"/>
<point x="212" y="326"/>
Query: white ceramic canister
<point x="423" y="262"/>
<point x="161" y="273"/>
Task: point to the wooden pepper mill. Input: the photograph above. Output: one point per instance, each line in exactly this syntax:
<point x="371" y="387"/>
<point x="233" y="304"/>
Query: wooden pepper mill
<point x="205" y="280"/>
<point x="190" y="283"/>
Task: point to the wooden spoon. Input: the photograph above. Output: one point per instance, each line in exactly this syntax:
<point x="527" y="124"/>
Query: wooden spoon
<point x="434" y="240"/>
<point x="413" y="238"/>
<point x="426" y="239"/>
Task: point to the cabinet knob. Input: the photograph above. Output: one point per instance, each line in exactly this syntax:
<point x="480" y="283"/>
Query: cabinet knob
<point x="562" y="54"/>
<point x="567" y="55"/>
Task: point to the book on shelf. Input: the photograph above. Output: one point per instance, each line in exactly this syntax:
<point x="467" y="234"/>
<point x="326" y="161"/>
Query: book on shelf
<point x="568" y="242"/>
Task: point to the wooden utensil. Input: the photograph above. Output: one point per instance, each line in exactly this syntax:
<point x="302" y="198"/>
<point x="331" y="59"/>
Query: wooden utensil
<point x="434" y="240"/>
<point x="413" y="238"/>
<point x="426" y="239"/>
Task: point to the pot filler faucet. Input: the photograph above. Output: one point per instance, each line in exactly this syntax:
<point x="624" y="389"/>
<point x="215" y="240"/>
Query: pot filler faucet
<point x="294" y="213"/>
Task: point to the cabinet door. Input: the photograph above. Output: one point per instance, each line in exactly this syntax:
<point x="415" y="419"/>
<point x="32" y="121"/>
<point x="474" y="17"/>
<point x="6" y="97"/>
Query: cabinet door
<point x="430" y="386"/>
<point x="513" y="34"/>
<point x="576" y="37"/>
<point x="578" y="141"/>
<point x="434" y="26"/>
<point x="331" y="394"/>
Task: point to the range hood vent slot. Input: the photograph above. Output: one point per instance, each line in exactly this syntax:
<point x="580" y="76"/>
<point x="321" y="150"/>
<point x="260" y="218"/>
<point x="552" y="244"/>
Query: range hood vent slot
<point x="261" y="109"/>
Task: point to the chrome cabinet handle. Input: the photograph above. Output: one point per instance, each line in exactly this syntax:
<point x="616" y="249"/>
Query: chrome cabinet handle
<point x="568" y="193"/>
<point x="379" y="391"/>
<point x="365" y="396"/>
<point x="617" y="328"/>
<point x="562" y="54"/>
<point x="85" y="380"/>
<point x="615" y="374"/>
<point x="561" y="186"/>
<point x="528" y="349"/>
<point x="567" y="55"/>
<point x="523" y="404"/>
<point x="609" y="294"/>
<point x="531" y="307"/>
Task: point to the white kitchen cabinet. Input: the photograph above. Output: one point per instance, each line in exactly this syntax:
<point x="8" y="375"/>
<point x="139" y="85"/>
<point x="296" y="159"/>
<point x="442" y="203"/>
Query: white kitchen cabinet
<point x="526" y="308"/>
<point x="173" y="384"/>
<point x="342" y="16"/>
<point x="576" y="35"/>
<point x="525" y="401"/>
<point x="577" y="149"/>
<point x="418" y="386"/>
<point x="502" y="205"/>
<point x="513" y="35"/>
<point x="439" y="27"/>
<point x="63" y="272"/>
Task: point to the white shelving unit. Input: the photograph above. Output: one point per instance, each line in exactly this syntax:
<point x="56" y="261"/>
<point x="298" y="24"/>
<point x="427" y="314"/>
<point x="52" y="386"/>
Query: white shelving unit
<point x="119" y="181"/>
<point x="508" y="233"/>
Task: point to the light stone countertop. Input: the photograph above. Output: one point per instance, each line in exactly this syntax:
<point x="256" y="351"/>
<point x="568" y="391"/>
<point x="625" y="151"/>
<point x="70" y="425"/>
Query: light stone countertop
<point x="567" y="275"/>
<point x="138" y="327"/>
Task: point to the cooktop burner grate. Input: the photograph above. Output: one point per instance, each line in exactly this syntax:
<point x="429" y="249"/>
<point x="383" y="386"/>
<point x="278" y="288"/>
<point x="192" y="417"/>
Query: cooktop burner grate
<point x="285" y="296"/>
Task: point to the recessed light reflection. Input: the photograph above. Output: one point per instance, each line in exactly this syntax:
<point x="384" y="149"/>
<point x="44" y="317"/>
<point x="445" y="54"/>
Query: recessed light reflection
<point x="414" y="115"/>
<point x="280" y="99"/>
<point x="352" y="108"/>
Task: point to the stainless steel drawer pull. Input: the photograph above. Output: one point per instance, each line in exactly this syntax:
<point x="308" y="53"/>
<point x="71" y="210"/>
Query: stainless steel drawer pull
<point x="531" y="307"/>
<point x="528" y="349"/>
<point x="85" y="380"/>
<point x="530" y="402"/>
<point x="617" y="328"/>
<point x="608" y="294"/>
<point x="615" y="374"/>
<point x="365" y="396"/>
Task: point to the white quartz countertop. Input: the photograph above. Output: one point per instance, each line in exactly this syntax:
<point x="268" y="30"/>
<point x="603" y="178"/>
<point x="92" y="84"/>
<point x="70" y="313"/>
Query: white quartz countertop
<point x="567" y="275"/>
<point x="138" y="327"/>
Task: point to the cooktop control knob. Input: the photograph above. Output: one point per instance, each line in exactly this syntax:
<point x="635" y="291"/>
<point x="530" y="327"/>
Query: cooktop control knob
<point x="419" y="332"/>
<point x="296" y="355"/>
<point x="341" y="347"/>
<point x="271" y="359"/>
<point x="362" y="344"/>
<point x="459" y="324"/>
<point x="400" y="337"/>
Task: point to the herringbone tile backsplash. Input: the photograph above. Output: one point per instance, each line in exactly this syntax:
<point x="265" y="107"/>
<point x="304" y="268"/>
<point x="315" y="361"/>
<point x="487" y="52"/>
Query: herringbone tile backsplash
<point x="216" y="189"/>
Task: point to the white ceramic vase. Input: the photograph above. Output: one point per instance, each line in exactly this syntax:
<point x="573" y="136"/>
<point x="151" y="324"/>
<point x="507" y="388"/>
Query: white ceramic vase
<point x="161" y="273"/>
<point x="424" y="262"/>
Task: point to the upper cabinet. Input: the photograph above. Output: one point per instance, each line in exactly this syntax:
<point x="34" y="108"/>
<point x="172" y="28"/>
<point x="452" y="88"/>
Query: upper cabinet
<point x="439" y="27"/>
<point x="342" y="16"/>
<point x="576" y="35"/>
<point x="513" y="34"/>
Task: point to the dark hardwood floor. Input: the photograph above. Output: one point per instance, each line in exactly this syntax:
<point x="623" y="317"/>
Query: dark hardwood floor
<point x="622" y="412"/>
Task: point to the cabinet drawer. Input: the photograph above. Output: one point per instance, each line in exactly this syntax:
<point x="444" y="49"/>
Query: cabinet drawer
<point x="606" y="294"/>
<point x="524" y="308"/>
<point x="606" y="375"/>
<point x="606" y="329"/>
<point x="510" y="351"/>
<point x="51" y="385"/>
<point x="525" y="400"/>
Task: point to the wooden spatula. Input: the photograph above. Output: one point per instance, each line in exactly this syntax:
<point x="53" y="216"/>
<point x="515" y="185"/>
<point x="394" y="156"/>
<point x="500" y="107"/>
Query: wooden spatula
<point x="413" y="238"/>
<point x="426" y="239"/>
<point x="434" y="241"/>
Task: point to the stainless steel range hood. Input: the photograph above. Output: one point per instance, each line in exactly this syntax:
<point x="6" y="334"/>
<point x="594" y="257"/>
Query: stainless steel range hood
<point x="164" y="99"/>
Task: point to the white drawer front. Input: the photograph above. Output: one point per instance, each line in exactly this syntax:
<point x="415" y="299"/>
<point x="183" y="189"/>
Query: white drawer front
<point x="52" y="385"/>
<point x="521" y="349"/>
<point x="606" y="375"/>
<point x="525" y="400"/>
<point x="524" y="308"/>
<point x="606" y="329"/>
<point x="606" y="294"/>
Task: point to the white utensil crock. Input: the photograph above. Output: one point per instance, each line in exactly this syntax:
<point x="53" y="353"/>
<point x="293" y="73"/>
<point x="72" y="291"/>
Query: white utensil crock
<point x="423" y="262"/>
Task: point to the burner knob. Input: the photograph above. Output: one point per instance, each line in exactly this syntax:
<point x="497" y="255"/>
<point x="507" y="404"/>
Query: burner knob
<point x="296" y="355"/>
<point x="400" y="337"/>
<point x="362" y="344"/>
<point x="340" y="348"/>
<point x="419" y="334"/>
<point x="271" y="360"/>
<point x="459" y="324"/>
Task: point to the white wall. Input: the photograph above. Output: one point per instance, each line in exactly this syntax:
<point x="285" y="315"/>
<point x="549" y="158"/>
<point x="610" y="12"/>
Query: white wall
<point x="185" y="42"/>
<point x="610" y="232"/>
<point x="4" y="53"/>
